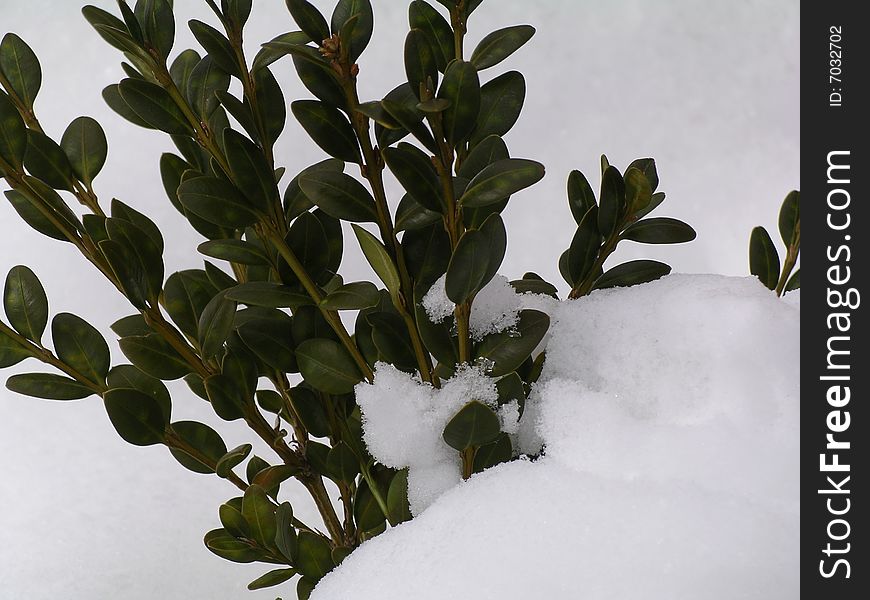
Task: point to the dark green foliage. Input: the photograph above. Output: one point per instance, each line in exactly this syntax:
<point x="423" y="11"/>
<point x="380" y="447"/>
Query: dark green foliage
<point x="244" y="333"/>
<point x="616" y="216"/>
<point x="764" y="260"/>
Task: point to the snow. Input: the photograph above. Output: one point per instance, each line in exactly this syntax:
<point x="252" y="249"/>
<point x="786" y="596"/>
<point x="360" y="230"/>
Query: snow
<point x="668" y="414"/>
<point x="496" y="307"/>
<point x="403" y="420"/>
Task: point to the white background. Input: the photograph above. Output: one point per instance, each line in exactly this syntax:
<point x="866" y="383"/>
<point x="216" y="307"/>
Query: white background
<point x="710" y="89"/>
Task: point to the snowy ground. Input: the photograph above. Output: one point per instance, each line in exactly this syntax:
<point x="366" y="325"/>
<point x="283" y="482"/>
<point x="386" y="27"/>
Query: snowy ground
<point x="669" y="417"/>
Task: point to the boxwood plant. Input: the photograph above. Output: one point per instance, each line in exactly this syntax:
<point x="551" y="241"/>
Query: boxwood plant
<point x="257" y="332"/>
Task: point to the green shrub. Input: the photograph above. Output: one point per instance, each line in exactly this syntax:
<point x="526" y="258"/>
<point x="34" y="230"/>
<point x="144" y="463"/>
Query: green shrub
<point x="276" y="316"/>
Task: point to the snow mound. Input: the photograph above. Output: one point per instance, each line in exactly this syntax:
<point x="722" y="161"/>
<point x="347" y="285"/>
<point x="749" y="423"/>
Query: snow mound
<point x="669" y="417"/>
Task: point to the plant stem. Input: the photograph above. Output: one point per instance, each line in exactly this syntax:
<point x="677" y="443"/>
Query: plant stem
<point x="331" y="316"/>
<point x="585" y="286"/>
<point x="790" y="260"/>
<point x="373" y="170"/>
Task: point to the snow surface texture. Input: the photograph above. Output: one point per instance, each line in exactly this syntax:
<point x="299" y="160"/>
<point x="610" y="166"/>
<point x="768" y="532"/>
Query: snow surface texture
<point x="669" y="413"/>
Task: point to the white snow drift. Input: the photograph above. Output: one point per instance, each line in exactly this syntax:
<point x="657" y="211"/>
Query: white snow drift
<point x="669" y="417"/>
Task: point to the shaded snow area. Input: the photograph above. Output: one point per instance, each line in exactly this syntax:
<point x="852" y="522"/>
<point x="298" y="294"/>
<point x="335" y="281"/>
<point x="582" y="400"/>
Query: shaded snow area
<point x="668" y="413"/>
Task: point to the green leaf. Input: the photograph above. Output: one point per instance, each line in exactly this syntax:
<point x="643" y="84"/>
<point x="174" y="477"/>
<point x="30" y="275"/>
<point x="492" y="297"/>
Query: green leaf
<point x="128" y="270"/>
<point x="217" y="46"/>
<point x="272" y="578"/>
<point x="250" y="171"/>
<point x="232" y="459"/>
<point x="112" y="97"/>
<point x="397" y="499"/>
<point x="352" y="296"/>
<point x="461" y="87"/>
<point x="141" y="248"/>
<point x="237" y="12"/>
<point x="366" y="511"/>
<point x="794" y="283"/>
<point x="375" y="111"/>
<point x="204" y="440"/>
<point x="501" y="179"/>
<point x="612" y="204"/>
<point x="500" y="44"/>
<point x="272" y="295"/>
<point x="468" y="267"/>
<point x="647" y="166"/>
<point x="21" y="68"/>
<point x="790" y="217"/>
<point x="203" y="82"/>
<point x="295" y="200"/>
<point x="505" y="352"/>
<point x="580" y="195"/>
<point x="390" y="337"/>
<point x="361" y="32"/>
<point x="230" y="514"/>
<point x="415" y="172"/>
<point x="46" y="160"/>
<point x="84" y="143"/>
<point x="493" y="453"/>
<point x="437" y="337"/>
<point x="327" y="366"/>
<point x="309" y="242"/>
<point x="185" y="297"/>
<point x="329" y="129"/>
<point x="534" y="285"/>
<point x="136" y="416"/>
<point x="319" y="79"/>
<point x="339" y="195"/>
<point x="309" y="19"/>
<point x="182" y="66"/>
<point x="410" y="214"/>
<point x="286" y="539"/>
<point x="48" y="386"/>
<point x="25" y="303"/>
<point x="486" y="152"/>
<point x="271" y="340"/>
<point x="215" y="324"/>
<point x="659" y="230"/>
<point x="227" y="401"/>
<point x="501" y="101"/>
<point x="225" y="545"/>
<point x="272" y="104"/>
<point x="217" y="202"/>
<point x="80" y="346"/>
<point x="763" y="258"/>
<point x="424" y="17"/>
<point x="401" y="105"/>
<point x="158" y="24"/>
<point x="427" y="254"/>
<point x="632" y="273"/>
<point x="638" y="192"/>
<point x="420" y="65"/>
<point x="31" y="215"/>
<point x="237" y="251"/>
<point x="259" y="512"/>
<point x="128" y="376"/>
<point x="13" y="133"/>
<point x="154" y="356"/>
<point x="379" y="259"/>
<point x="342" y="463"/>
<point x="585" y="246"/>
<point x="11" y="352"/>
<point x="311" y="411"/>
<point x="474" y="425"/>
<point x="314" y="558"/>
<point x="271" y="478"/>
<point x="152" y="104"/>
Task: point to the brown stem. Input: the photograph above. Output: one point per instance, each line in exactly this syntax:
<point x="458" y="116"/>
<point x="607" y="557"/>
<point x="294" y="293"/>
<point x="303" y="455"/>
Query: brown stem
<point x="331" y="316"/>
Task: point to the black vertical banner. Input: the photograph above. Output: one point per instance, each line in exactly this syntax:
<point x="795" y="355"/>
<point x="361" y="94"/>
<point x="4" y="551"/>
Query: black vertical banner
<point x="835" y="181"/>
